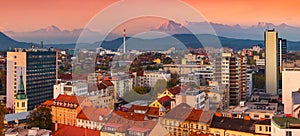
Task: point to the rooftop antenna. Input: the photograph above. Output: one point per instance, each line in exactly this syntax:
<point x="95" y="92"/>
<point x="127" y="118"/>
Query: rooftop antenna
<point x="124" y="40"/>
<point x="42" y="44"/>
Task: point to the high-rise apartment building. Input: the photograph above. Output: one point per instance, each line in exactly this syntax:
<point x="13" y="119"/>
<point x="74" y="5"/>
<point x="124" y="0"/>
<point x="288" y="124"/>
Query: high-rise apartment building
<point x="39" y="68"/>
<point x="230" y="70"/>
<point x="237" y="79"/>
<point x="271" y="74"/>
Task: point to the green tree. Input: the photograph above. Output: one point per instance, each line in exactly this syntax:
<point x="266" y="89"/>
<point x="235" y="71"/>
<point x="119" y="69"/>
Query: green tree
<point x="141" y="90"/>
<point x="40" y="117"/>
<point x="159" y="85"/>
<point x="172" y="82"/>
<point x="259" y="81"/>
<point x="2" y="114"/>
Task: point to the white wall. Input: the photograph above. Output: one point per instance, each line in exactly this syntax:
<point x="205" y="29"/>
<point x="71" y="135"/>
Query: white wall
<point x="282" y="132"/>
<point x="290" y="83"/>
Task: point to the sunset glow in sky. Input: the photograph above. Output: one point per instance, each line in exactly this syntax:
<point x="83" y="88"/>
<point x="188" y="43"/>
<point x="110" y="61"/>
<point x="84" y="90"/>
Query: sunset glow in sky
<point x="30" y="15"/>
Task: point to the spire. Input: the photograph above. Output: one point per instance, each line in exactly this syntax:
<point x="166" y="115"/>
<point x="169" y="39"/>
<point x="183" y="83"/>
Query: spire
<point x="21" y="91"/>
<point x="21" y="84"/>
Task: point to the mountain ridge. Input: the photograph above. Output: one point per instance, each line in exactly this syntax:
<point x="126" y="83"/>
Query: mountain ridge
<point x="177" y="40"/>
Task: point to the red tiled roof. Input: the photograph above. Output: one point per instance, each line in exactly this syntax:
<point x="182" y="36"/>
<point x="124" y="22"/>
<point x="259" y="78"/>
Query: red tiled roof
<point x="114" y="125"/>
<point x="47" y="103"/>
<point x="70" y="99"/>
<point x="107" y="83"/>
<point x="65" y="130"/>
<point x="65" y="76"/>
<point x="93" y="114"/>
<point x="131" y="116"/>
<point x="153" y="111"/>
<point x="164" y="99"/>
<point x="140" y="73"/>
<point x="194" y="115"/>
<point x="175" y="90"/>
<point x="123" y="124"/>
<point x="104" y="84"/>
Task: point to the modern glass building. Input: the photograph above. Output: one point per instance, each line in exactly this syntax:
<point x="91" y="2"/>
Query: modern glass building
<point x="282" y="52"/>
<point x="40" y="71"/>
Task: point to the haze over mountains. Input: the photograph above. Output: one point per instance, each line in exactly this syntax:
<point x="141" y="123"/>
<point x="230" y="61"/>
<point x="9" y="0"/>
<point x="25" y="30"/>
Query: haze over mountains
<point x="54" y="35"/>
<point x="235" y="37"/>
<point x="254" y="32"/>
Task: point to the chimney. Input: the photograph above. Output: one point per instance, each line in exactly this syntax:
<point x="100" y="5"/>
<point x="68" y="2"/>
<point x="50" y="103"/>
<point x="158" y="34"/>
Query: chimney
<point x="55" y="126"/>
<point x="247" y="118"/>
<point x="98" y="79"/>
<point x="218" y="114"/>
<point x="42" y="44"/>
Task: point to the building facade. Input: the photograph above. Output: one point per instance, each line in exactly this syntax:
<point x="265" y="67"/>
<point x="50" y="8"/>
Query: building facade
<point x="285" y="126"/>
<point x="149" y="78"/>
<point x="290" y="83"/>
<point x="20" y="102"/>
<point x="271" y="74"/>
<point x="39" y="68"/>
<point x="78" y="88"/>
<point x="65" y="108"/>
<point x="195" y="99"/>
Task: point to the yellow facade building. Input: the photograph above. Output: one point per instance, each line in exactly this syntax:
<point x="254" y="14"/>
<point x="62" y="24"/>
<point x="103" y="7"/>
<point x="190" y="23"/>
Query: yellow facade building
<point x="224" y="126"/>
<point x="65" y="108"/>
<point x="191" y="121"/>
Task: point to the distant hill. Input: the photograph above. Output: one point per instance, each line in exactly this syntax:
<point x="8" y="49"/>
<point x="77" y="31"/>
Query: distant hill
<point x="177" y="40"/>
<point x="6" y="43"/>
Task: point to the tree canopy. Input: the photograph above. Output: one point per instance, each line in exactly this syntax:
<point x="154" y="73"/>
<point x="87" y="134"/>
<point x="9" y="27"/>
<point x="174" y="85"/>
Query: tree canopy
<point x="40" y="117"/>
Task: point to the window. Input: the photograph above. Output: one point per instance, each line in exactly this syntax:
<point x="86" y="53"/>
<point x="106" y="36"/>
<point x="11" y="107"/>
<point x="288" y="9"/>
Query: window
<point x="267" y="116"/>
<point x="260" y="128"/>
<point x="256" y="116"/>
<point x="267" y="128"/>
<point x="23" y="104"/>
<point x="288" y="133"/>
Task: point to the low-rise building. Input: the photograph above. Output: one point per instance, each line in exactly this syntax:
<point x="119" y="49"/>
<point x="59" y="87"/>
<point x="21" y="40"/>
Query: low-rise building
<point x="194" y="98"/>
<point x="295" y="104"/>
<point x="285" y="126"/>
<point x="34" y="131"/>
<point x="260" y="62"/>
<point x="123" y="124"/>
<point x="149" y="78"/>
<point x="66" y="130"/>
<point x="78" y="88"/>
<point x="224" y="126"/>
<point x="122" y="82"/>
<point x="65" y="108"/>
<point x="92" y="118"/>
<point x="185" y="120"/>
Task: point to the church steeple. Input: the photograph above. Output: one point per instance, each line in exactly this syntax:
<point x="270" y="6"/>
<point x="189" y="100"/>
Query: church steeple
<point x="21" y="91"/>
<point x="20" y="102"/>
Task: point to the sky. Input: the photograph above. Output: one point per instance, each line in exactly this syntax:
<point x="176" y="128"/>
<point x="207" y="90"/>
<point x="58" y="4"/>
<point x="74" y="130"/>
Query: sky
<point x="29" y="15"/>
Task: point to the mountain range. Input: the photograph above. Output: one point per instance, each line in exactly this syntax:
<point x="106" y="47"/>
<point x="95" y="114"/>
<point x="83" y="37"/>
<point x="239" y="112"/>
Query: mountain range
<point x="233" y="36"/>
<point x="254" y="32"/>
<point x="176" y="40"/>
<point x="54" y="35"/>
